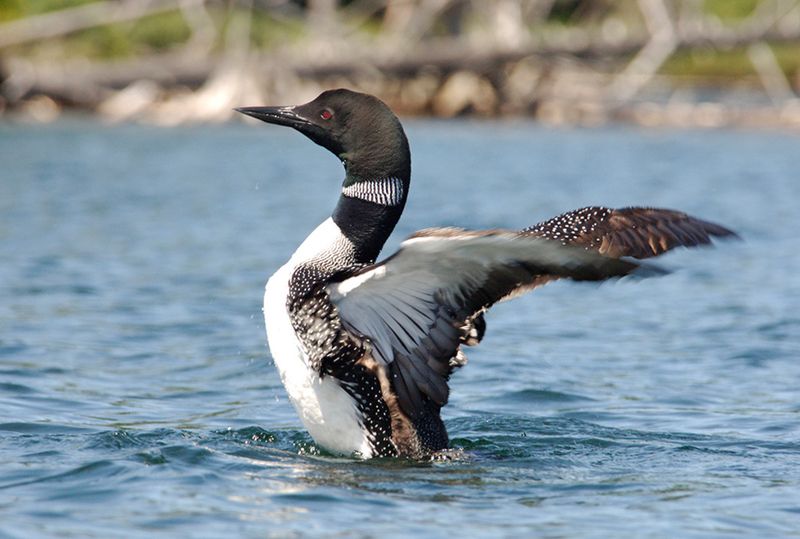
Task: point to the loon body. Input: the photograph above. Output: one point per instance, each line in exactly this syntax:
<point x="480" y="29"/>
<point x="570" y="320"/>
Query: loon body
<point x="365" y="349"/>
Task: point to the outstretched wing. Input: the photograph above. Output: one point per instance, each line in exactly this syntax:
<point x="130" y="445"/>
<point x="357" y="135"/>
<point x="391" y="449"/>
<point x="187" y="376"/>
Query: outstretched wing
<point x="412" y="308"/>
<point x="636" y="232"/>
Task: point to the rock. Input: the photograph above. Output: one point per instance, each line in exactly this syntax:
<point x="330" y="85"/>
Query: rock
<point x="520" y="87"/>
<point x="419" y="92"/>
<point x="131" y="101"/>
<point x="465" y="91"/>
<point x="40" y="109"/>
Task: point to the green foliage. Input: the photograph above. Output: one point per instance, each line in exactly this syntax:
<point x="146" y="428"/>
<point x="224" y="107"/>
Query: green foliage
<point x="10" y="10"/>
<point x="159" y="32"/>
<point x="17" y="9"/>
<point x="733" y="63"/>
<point x="153" y="33"/>
<point x="788" y="56"/>
<point x="709" y="63"/>
<point x="268" y="29"/>
<point x="568" y="12"/>
<point x="100" y="42"/>
<point x="730" y="9"/>
<point x="266" y="32"/>
<point x="563" y="10"/>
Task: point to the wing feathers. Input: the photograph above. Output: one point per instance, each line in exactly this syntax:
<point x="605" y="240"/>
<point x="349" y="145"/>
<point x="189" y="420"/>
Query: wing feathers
<point x="415" y="307"/>
<point x="410" y="400"/>
<point x="636" y="232"/>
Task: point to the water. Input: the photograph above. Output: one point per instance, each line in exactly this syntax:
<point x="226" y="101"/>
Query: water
<point x="138" y="399"/>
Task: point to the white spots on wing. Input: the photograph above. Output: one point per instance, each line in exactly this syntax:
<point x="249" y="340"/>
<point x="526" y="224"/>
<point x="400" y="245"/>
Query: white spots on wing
<point x="571" y="226"/>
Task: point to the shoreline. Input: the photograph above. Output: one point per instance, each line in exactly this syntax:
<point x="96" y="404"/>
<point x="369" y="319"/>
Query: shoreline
<point x="642" y="63"/>
<point x="585" y="103"/>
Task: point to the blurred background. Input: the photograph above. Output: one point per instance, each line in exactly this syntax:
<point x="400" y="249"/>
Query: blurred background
<point x="137" y="394"/>
<point x="585" y="62"/>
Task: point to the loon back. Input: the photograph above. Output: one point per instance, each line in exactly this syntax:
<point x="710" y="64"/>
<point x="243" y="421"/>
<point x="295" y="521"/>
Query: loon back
<point x="365" y="349"/>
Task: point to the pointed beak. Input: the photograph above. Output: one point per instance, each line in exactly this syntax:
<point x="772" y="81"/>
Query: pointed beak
<point x="276" y="115"/>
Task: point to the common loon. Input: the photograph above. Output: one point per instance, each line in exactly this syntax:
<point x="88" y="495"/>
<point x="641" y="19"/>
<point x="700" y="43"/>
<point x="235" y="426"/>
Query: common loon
<point x="365" y="349"/>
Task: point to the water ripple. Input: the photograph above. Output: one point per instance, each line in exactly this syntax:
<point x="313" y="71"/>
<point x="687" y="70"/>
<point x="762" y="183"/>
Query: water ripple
<point x="137" y="397"/>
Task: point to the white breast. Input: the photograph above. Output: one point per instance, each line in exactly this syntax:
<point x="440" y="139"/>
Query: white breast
<point x="326" y="410"/>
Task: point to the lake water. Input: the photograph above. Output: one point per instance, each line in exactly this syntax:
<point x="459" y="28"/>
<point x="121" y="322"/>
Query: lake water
<point x="138" y="398"/>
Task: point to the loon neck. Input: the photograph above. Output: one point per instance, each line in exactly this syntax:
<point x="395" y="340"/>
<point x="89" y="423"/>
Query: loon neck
<point x="368" y="211"/>
<point x="377" y="178"/>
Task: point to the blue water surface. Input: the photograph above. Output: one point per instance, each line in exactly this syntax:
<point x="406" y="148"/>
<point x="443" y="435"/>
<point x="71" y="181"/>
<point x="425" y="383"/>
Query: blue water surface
<point x="138" y="398"/>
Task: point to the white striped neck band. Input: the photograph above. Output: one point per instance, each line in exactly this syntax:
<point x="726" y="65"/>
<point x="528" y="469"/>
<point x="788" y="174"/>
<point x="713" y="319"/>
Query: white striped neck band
<point x="386" y="191"/>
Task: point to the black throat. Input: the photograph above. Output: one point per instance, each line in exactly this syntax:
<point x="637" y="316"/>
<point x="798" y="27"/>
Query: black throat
<point x="367" y="221"/>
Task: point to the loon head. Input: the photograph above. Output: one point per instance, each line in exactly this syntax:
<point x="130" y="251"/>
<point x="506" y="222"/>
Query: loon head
<point x="358" y="128"/>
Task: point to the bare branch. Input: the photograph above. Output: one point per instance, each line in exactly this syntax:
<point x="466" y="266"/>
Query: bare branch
<point x="662" y="44"/>
<point x="70" y="20"/>
<point x="770" y="73"/>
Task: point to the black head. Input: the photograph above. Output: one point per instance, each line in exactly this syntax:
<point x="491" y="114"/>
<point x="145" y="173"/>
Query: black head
<point x="358" y="128"/>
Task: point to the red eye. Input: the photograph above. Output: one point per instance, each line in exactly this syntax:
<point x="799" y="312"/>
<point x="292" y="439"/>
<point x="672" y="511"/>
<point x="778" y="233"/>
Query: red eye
<point x="326" y="114"/>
